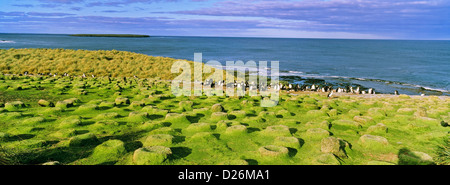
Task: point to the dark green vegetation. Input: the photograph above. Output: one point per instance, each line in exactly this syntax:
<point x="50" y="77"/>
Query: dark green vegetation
<point x="108" y="35"/>
<point x="138" y="121"/>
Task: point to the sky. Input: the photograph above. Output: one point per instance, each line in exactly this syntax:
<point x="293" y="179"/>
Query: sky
<point x="350" y="19"/>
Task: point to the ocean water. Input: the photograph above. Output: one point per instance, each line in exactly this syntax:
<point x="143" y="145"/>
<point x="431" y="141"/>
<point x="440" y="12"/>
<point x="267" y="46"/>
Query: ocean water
<point x="411" y="67"/>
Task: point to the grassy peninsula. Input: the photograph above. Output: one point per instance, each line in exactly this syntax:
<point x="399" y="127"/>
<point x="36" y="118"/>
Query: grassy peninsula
<point x="78" y="62"/>
<point x="108" y="35"/>
<point x="114" y="120"/>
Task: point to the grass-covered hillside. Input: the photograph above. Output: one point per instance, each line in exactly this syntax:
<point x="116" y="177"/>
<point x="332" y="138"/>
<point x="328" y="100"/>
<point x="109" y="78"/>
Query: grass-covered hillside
<point x="47" y="119"/>
<point x="76" y="62"/>
<point x="139" y="121"/>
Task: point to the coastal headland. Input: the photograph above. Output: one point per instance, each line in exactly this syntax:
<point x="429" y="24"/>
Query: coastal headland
<point x="112" y="107"/>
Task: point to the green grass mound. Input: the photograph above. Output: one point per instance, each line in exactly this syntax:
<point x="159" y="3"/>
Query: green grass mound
<point x="202" y="137"/>
<point x="103" y="123"/>
<point x="154" y="111"/>
<point x="418" y="127"/>
<point x="45" y="103"/>
<point x="62" y="104"/>
<point x="277" y="130"/>
<point x="122" y="101"/>
<point x="349" y="123"/>
<point x="217" y="108"/>
<point x="267" y="115"/>
<point x="290" y="142"/>
<point x="87" y="108"/>
<point x="34" y="120"/>
<point x="51" y="111"/>
<point x="238" y="114"/>
<point x="96" y="102"/>
<point x="64" y="133"/>
<point x="83" y="140"/>
<point x="284" y="113"/>
<point x="108" y="115"/>
<point x="379" y="128"/>
<point x="316" y="133"/>
<point x="164" y="130"/>
<point x="158" y="140"/>
<point x="217" y="116"/>
<point x="176" y="118"/>
<point x="406" y="157"/>
<point x="70" y="122"/>
<point x="316" y="113"/>
<point x="273" y="151"/>
<point x="332" y="113"/>
<point x="334" y="146"/>
<point x="106" y="104"/>
<point x="4" y="136"/>
<point x="150" y="125"/>
<point x="152" y="155"/>
<point x="372" y="141"/>
<point x="32" y="143"/>
<point x="186" y="105"/>
<point x="137" y="117"/>
<point x="137" y="104"/>
<point x="236" y="130"/>
<point x="14" y="105"/>
<point x="109" y="151"/>
<point x="11" y="115"/>
<point x="406" y="111"/>
<point x="197" y="127"/>
<point x="327" y="159"/>
<point x="72" y="101"/>
<point x="315" y="124"/>
<point x="363" y="120"/>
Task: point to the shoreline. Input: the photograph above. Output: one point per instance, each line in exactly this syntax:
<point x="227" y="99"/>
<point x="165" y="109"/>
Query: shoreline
<point x="288" y="92"/>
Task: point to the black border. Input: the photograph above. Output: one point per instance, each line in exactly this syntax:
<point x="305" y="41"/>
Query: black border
<point x="278" y="174"/>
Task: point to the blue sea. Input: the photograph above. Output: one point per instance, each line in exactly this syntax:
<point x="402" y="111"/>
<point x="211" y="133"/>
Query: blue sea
<point x="409" y="66"/>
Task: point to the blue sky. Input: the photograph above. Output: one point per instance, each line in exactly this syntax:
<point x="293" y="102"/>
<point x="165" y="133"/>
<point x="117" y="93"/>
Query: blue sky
<point x="364" y="19"/>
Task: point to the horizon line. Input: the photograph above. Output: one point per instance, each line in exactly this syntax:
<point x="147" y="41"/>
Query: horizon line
<point x="391" y="39"/>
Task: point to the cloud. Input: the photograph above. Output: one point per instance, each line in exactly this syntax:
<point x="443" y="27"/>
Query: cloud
<point x="62" y="1"/>
<point x="307" y="18"/>
<point x="113" y="11"/>
<point x="76" y="8"/>
<point x="42" y="14"/>
<point x="23" y="5"/>
<point x="376" y="16"/>
<point x="120" y="3"/>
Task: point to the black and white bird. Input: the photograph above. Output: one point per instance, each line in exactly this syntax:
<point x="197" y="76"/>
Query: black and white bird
<point x="395" y="92"/>
<point x="330" y="94"/>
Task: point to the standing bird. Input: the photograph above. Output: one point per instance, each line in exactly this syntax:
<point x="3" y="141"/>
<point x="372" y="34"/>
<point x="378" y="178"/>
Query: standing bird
<point x="330" y="94"/>
<point x="395" y="92"/>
